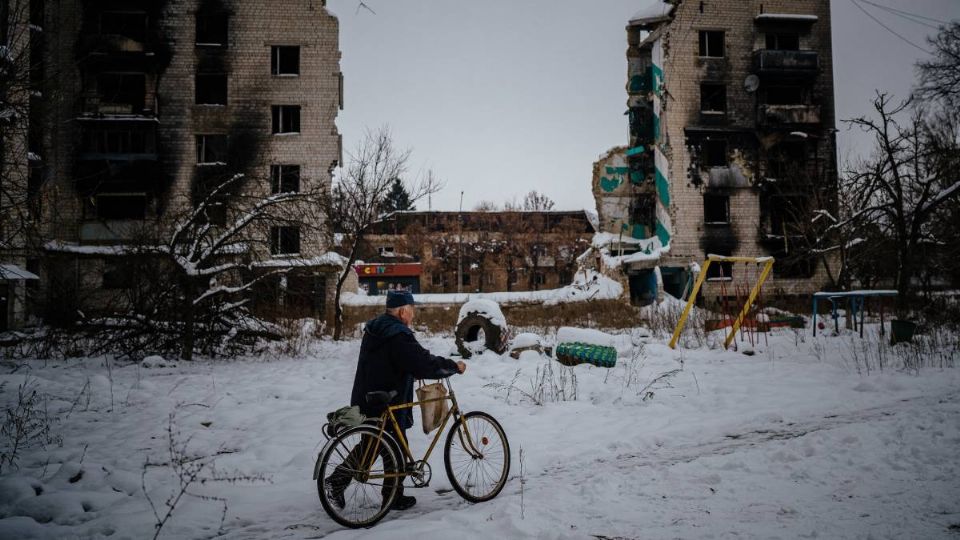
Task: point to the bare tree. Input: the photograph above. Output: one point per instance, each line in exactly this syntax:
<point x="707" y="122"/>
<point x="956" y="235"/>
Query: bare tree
<point x="192" y="292"/>
<point x="359" y="195"/>
<point x="940" y="76"/>
<point x="911" y="175"/>
<point x="537" y="202"/>
<point x="486" y="206"/>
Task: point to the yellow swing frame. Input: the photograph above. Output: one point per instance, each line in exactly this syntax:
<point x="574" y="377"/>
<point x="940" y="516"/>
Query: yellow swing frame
<point x="767" y="267"/>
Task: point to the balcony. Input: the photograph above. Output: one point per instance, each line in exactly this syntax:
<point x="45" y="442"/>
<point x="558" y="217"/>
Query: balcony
<point x="778" y="62"/>
<point x="789" y="115"/>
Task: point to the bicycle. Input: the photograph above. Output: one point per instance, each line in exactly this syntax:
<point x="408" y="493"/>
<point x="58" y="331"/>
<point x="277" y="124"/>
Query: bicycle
<point x="368" y="458"/>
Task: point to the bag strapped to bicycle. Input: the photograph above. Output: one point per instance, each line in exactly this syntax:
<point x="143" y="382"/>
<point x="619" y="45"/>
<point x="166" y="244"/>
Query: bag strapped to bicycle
<point x="432" y="413"/>
<point x="341" y="419"/>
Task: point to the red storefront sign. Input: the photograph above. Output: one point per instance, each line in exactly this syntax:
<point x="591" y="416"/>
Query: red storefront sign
<point x="383" y="270"/>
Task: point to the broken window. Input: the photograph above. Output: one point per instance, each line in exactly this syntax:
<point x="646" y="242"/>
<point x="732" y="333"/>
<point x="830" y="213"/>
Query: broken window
<point x="716" y="209"/>
<point x="712" y="43"/>
<point x="116" y="276"/>
<point x="118" y="140"/>
<point x="129" y="24"/>
<point x="713" y="153"/>
<point x="286" y="118"/>
<point x="643" y="211"/>
<point x="215" y="212"/>
<point x="284" y="240"/>
<point x="212" y="149"/>
<point x="121" y="206"/>
<point x="127" y="90"/>
<point x="212" y="29"/>
<point x="211" y="88"/>
<point x="285" y="60"/>
<point x="786" y="160"/>
<point x="539" y="278"/>
<point x="785" y="95"/>
<point x="783" y="41"/>
<point x="5" y="22"/>
<point x="720" y="271"/>
<point x="284" y="178"/>
<point x="785" y="214"/>
<point x="713" y="98"/>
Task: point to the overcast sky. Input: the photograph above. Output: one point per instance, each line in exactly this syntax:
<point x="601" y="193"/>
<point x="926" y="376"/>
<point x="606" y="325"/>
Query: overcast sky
<point x="503" y="96"/>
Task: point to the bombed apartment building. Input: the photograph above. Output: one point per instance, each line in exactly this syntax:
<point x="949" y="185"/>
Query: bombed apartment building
<point x="731" y="147"/>
<point x="449" y="252"/>
<point x="146" y="113"/>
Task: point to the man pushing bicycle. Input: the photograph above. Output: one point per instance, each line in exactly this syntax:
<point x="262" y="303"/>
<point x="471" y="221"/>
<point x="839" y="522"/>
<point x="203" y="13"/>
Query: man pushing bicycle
<point x="390" y="359"/>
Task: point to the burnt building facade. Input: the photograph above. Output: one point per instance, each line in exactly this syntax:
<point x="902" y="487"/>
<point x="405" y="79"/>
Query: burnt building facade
<point x="490" y="251"/>
<point x="732" y="140"/>
<point x="146" y="105"/>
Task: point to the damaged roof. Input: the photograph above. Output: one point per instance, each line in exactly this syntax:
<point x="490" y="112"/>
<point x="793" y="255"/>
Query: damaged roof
<point x="653" y="12"/>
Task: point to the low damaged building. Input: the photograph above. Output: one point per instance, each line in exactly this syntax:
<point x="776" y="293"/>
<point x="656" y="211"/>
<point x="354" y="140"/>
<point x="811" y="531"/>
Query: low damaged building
<point x="449" y="252"/>
<point x="731" y="149"/>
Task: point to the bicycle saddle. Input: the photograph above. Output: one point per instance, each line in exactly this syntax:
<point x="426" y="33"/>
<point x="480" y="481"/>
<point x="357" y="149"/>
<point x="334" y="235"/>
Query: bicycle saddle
<point x="379" y="399"/>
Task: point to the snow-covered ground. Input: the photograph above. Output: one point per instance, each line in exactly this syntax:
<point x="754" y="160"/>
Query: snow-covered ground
<point x="788" y="443"/>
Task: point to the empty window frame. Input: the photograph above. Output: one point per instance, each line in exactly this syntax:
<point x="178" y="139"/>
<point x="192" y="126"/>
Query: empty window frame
<point x="713" y="98"/>
<point x="716" y="209"/>
<point x="116" y="275"/>
<point x="712" y="44"/>
<point x="212" y="29"/>
<point x="129" y="24"/>
<point x="787" y="160"/>
<point x="436" y="279"/>
<point x="118" y="141"/>
<point x="284" y="240"/>
<point x="465" y="279"/>
<point x="713" y="153"/>
<point x="284" y="179"/>
<point x="212" y="149"/>
<point x="286" y="119"/>
<point x="285" y="60"/>
<point x="539" y="279"/>
<point x="720" y="271"/>
<point x="123" y="89"/>
<point x="216" y="212"/>
<point x="211" y="88"/>
<point x="120" y="206"/>
<point x="785" y="95"/>
<point x="5" y="21"/>
<point x="783" y="41"/>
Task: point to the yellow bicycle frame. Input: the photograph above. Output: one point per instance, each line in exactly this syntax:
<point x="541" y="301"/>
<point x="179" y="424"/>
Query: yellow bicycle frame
<point x="370" y="453"/>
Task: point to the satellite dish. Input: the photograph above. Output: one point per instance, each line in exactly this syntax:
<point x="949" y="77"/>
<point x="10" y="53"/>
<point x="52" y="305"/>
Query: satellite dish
<point x="751" y="83"/>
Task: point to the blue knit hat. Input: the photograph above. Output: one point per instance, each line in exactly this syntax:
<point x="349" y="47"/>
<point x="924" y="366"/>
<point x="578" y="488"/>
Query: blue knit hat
<point x="396" y="299"/>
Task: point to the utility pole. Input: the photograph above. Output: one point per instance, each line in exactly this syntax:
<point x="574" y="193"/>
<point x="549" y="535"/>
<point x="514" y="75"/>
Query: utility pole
<point x="460" y="246"/>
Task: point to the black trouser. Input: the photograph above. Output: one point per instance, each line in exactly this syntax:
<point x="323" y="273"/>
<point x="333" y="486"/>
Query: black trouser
<point x="342" y="475"/>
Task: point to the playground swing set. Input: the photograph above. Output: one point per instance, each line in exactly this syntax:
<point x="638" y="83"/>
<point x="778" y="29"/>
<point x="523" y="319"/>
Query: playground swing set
<point x="741" y="304"/>
<point x="741" y="300"/>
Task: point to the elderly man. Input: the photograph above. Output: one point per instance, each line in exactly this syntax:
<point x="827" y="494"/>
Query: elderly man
<point x="390" y="359"/>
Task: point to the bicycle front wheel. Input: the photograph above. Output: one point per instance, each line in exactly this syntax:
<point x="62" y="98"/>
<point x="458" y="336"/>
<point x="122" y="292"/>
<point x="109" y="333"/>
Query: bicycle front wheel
<point x="350" y="479"/>
<point x="477" y="457"/>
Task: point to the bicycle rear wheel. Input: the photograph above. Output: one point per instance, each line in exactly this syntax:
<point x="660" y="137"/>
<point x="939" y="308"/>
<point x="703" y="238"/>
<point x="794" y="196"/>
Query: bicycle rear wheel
<point x="477" y="465"/>
<point x="347" y="492"/>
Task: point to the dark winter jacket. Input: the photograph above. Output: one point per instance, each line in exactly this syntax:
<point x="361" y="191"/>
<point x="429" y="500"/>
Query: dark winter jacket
<point x="390" y="358"/>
